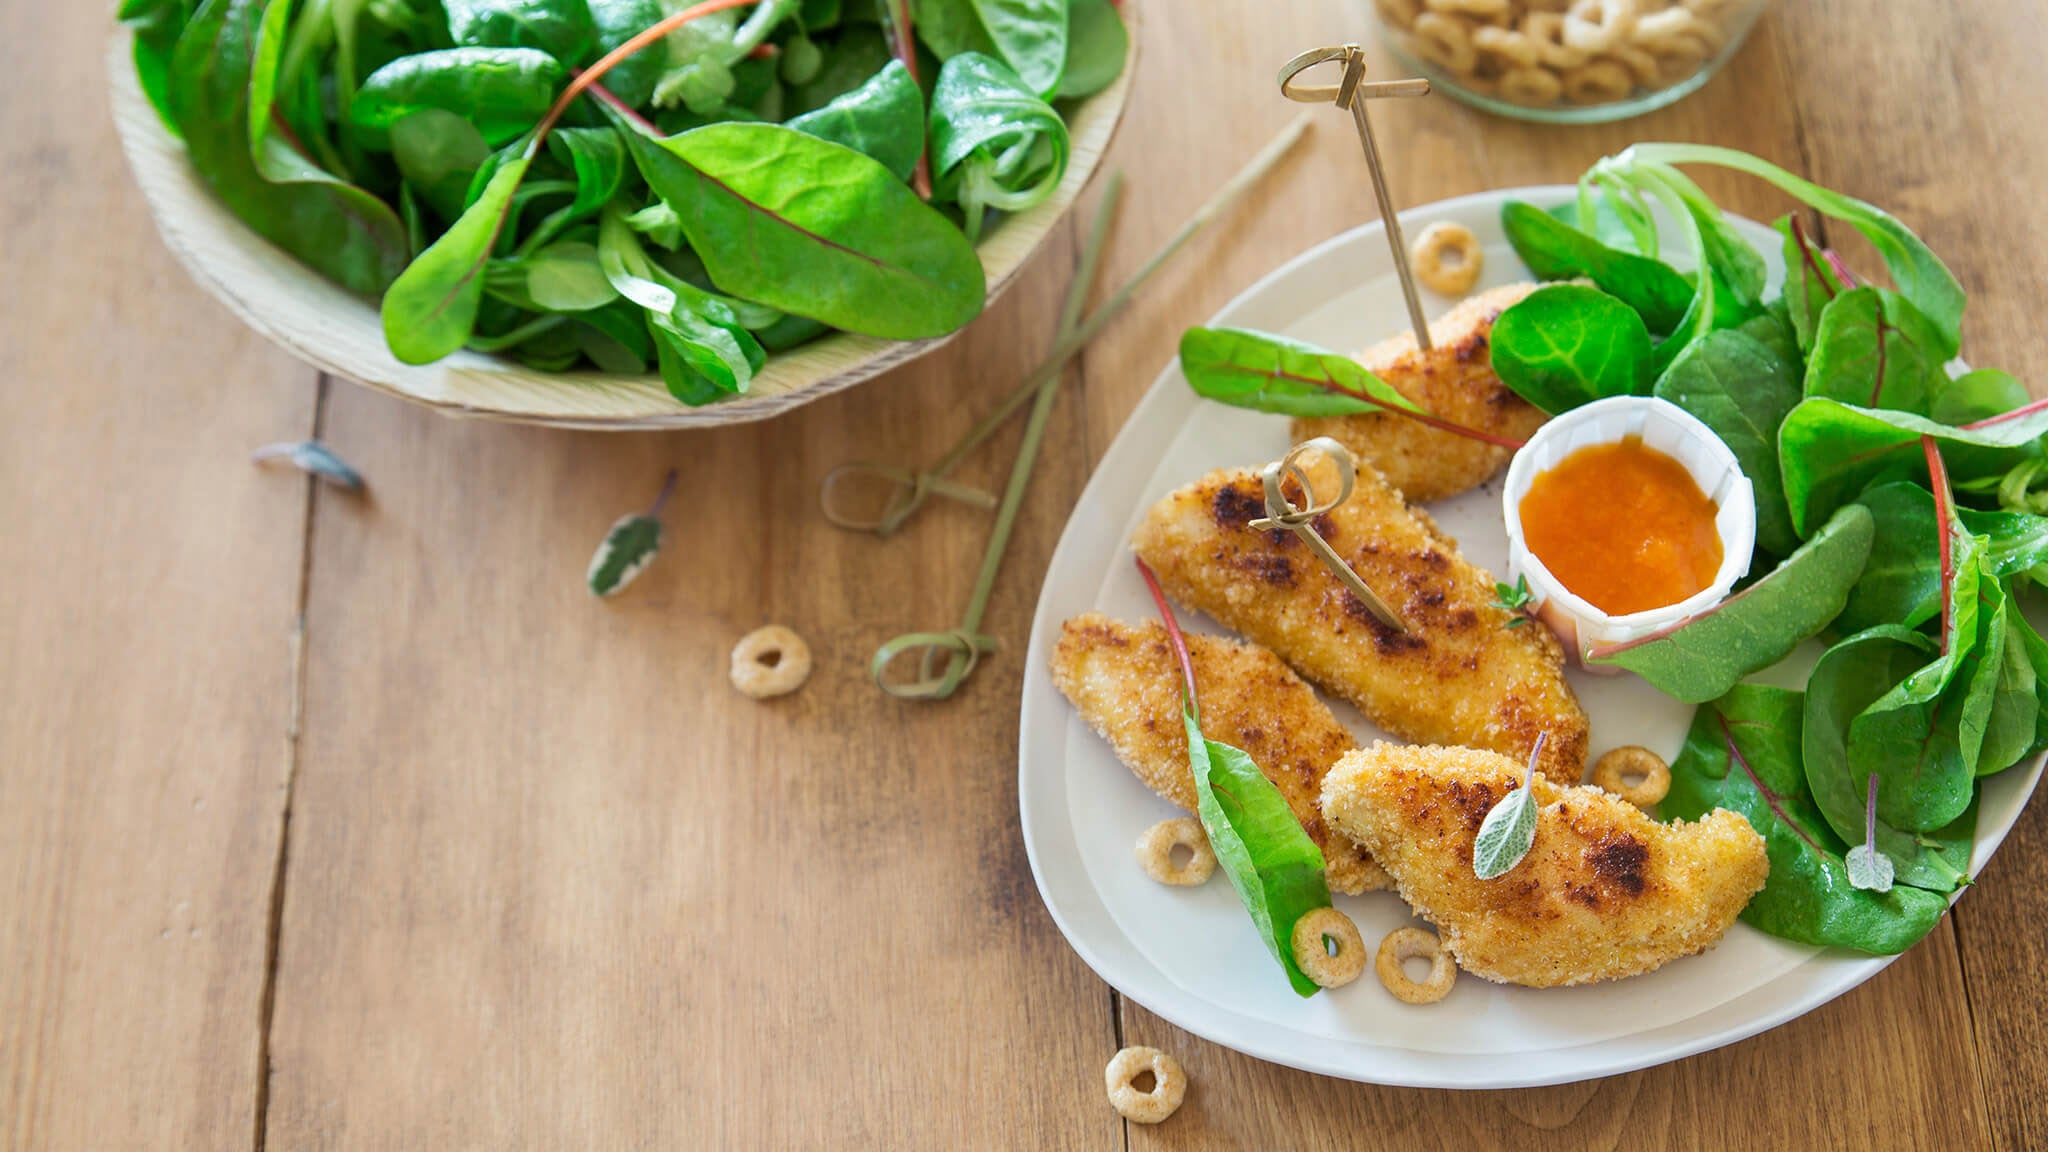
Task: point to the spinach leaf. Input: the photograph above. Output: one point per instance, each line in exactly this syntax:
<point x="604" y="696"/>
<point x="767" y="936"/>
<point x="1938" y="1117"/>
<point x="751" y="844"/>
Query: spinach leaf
<point x="1851" y="677"/>
<point x="1901" y="583"/>
<point x="1276" y="869"/>
<point x="1701" y="658"/>
<point x="1871" y="349"/>
<point x="1554" y="250"/>
<point x="1743" y="754"/>
<point x="1919" y="274"/>
<point x="1830" y="451"/>
<point x="1268" y="373"/>
<point x="503" y="92"/>
<point x="883" y="118"/>
<point x="1810" y="281"/>
<point x="561" y="28"/>
<point x="617" y="21"/>
<point x="439" y="154"/>
<point x="859" y="53"/>
<point x="994" y="144"/>
<point x="704" y="350"/>
<point x="1097" y="44"/>
<point x="1566" y="344"/>
<point x="342" y="232"/>
<point x="1028" y="35"/>
<point x="430" y="310"/>
<point x="2012" y="721"/>
<point x="1742" y="390"/>
<point x="562" y="277"/>
<point x="1922" y="738"/>
<point x="814" y="229"/>
<point x="598" y="158"/>
<point x="1979" y="395"/>
<point x="157" y="25"/>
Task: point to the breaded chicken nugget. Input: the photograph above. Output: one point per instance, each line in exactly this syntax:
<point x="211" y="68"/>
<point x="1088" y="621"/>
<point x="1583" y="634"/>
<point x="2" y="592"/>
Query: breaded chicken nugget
<point x="1454" y="380"/>
<point x="1126" y="684"/>
<point x="1458" y="676"/>
<point x="1605" y="892"/>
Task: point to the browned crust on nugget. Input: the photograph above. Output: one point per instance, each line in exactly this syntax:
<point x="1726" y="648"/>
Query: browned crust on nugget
<point x="1125" y="682"/>
<point x="1458" y="676"/>
<point x="1605" y="892"/>
<point x="1454" y="380"/>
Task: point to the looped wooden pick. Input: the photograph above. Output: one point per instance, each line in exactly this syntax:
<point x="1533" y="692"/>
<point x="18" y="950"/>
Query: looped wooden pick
<point x="1351" y="92"/>
<point x="1282" y="513"/>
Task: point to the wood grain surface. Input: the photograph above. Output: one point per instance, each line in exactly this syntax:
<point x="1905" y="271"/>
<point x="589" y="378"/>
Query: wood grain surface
<point x="483" y="863"/>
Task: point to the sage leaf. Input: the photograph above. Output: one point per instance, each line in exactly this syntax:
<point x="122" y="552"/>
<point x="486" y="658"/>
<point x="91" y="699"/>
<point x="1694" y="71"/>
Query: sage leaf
<point x="1742" y="753"/>
<point x="813" y="229"/>
<point x="1271" y="862"/>
<point x="629" y="547"/>
<point x="314" y="459"/>
<point x="1702" y="658"/>
<point x="1868" y="868"/>
<point x="1509" y="830"/>
<point x="1565" y="345"/>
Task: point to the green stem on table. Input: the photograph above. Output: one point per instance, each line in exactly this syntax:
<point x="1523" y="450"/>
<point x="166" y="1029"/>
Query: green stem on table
<point x="963" y="647"/>
<point x="912" y="493"/>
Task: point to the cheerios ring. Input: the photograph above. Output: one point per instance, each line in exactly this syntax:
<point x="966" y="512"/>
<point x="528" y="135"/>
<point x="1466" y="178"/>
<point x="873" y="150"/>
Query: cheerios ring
<point x="1442" y="40"/>
<point x="1507" y="44"/>
<point x="1447" y="256"/>
<point x="1597" y="25"/>
<point x="1546" y="29"/>
<point x="771" y="661"/>
<point x="1531" y="87"/>
<point x="1407" y="944"/>
<point x="1313" y="936"/>
<point x="1169" y="1085"/>
<point x="1155" y="852"/>
<point x="1653" y="775"/>
<point x="1601" y="82"/>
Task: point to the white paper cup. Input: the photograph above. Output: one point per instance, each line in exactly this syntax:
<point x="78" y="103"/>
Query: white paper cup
<point x="1666" y="428"/>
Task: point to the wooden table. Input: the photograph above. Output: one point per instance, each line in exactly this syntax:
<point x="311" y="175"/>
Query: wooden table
<point x="355" y="823"/>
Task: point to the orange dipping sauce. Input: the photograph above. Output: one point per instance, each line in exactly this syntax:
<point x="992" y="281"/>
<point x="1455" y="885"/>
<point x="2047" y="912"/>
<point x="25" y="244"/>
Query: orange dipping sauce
<point x="1623" y="526"/>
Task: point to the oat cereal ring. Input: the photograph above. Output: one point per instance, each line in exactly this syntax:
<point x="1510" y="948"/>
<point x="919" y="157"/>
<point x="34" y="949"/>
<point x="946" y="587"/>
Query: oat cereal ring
<point x="1505" y="44"/>
<point x="1597" y="25"/>
<point x="1443" y="41"/>
<point x="1407" y="944"/>
<point x="1156" y="846"/>
<point x="1678" y="39"/>
<point x="1533" y="87"/>
<point x="1546" y="29"/>
<point x="1641" y="65"/>
<point x="1315" y="934"/>
<point x="1479" y="9"/>
<point x="1447" y="257"/>
<point x="771" y="661"/>
<point x="1169" y="1085"/>
<point x="1399" y="13"/>
<point x="1601" y="82"/>
<point x="1653" y="775"/>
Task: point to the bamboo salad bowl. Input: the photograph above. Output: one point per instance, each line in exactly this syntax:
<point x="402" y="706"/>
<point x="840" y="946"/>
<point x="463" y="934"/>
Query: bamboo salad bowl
<point x="340" y="333"/>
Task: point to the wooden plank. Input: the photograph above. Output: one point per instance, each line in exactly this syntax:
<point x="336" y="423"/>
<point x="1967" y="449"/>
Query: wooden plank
<point x="1438" y="149"/>
<point x="149" y="581"/>
<point x="555" y="884"/>
<point x="1945" y="128"/>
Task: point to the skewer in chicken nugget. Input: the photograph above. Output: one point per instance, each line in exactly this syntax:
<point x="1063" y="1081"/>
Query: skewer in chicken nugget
<point x="1466" y="671"/>
<point x="1454" y="380"/>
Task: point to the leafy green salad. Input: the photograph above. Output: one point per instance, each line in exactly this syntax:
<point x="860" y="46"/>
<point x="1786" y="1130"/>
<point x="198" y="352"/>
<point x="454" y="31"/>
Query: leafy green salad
<point x="1898" y="520"/>
<point x="634" y="185"/>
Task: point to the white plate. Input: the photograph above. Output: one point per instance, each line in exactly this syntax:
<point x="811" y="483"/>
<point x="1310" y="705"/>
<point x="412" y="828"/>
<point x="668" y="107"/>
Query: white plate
<point x="1191" y="955"/>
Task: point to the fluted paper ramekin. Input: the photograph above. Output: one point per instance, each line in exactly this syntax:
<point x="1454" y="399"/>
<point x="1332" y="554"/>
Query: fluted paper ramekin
<point x="1666" y="428"/>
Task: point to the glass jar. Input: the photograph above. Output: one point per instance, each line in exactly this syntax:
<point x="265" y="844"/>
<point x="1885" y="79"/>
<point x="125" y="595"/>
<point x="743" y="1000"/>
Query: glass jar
<point x="1566" y="61"/>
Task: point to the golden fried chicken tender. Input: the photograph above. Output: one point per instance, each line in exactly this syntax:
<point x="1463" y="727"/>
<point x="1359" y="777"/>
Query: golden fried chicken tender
<point x="1126" y="684"/>
<point x="1605" y="892"/>
<point x="1454" y="380"/>
<point x="1458" y="676"/>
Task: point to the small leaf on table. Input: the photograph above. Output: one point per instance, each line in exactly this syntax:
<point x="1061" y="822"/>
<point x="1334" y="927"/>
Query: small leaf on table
<point x="314" y="459"/>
